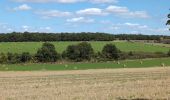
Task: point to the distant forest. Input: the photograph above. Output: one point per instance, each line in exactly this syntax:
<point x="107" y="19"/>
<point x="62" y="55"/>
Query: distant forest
<point x="31" y="37"/>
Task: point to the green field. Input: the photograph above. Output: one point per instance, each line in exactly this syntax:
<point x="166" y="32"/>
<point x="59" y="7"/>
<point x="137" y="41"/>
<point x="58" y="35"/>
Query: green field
<point x="19" y="47"/>
<point x="83" y="66"/>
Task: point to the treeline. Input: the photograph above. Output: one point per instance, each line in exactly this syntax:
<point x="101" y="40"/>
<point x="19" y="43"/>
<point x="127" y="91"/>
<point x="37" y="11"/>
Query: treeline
<point x="76" y="53"/>
<point x="30" y="37"/>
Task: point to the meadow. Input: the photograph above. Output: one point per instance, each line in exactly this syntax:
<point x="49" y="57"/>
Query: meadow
<point x="32" y="47"/>
<point x="145" y="63"/>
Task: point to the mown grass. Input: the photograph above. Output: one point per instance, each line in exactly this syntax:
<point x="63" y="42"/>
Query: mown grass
<point x="19" y="47"/>
<point x="83" y="66"/>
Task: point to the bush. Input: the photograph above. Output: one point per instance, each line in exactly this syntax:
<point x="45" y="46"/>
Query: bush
<point x="86" y="51"/>
<point x="13" y="58"/>
<point x="25" y="57"/>
<point x="82" y="51"/>
<point x="72" y="52"/>
<point x="111" y="52"/>
<point x="168" y="53"/>
<point x="3" y="58"/>
<point x="47" y="53"/>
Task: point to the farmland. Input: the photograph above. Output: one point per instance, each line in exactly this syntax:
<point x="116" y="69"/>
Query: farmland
<point x="104" y="84"/>
<point x="145" y="63"/>
<point x="19" y="47"/>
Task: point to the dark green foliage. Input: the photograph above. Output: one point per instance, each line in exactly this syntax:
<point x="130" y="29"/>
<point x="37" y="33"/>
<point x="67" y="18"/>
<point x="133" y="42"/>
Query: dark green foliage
<point x="47" y="53"/>
<point x="86" y="51"/>
<point x="13" y="58"/>
<point x="110" y="51"/>
<point x="168" y="21"/>
<point x="168" y="53"/>
<point x="72" y="52"/>
<point x="25" y="57"/>
<point x="3" y="58"/>
<point x="27" y="36"/>
<point x="82" y="51"/>
<point x="130" y="53"/>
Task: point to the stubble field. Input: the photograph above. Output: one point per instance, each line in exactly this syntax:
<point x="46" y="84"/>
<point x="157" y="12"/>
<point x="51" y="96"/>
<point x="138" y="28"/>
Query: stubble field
<point x="102" y="84"/>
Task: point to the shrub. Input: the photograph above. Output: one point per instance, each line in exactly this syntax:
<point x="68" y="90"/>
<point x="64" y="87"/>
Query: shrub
<point x="168" y="53"/>
<point x="25" y="57"/>
<point x="82" y="51"/>
<point x="3" y="58"/>
<point x="13" y="58"/>
<point x="72" y="52"/>
<point x="86" y="51"/>
<point x="110" y="52"/>
<point x="130" y="53"/>
<point x="47" y="53"/>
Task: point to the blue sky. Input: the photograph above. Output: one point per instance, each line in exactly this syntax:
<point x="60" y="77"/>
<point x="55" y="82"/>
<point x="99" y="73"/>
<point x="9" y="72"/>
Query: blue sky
<point x="111" y="16"/>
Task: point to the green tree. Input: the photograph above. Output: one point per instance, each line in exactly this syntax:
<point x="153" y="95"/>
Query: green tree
<point x="168" y="22"/>
<point x="13" y="58"/>
<point x="72" y="52"/>
<point x="86" y="51"/>
<point x="47" y="53"/>
<point x="79" y="52"/>
<point x="3" y="58"/>
<point x="110" y="51"/>
<point x="25" y="57"/>
<point x="168" y="53"/>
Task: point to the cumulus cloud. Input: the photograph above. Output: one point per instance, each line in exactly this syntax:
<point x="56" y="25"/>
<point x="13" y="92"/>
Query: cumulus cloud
<point x="67" y="1"/>
<point x="23" y="7"/>
<point x="114" y="10"/>
<point x="125" y="12"/>
<point x="53" y="13"/>
<point x="47" y="1"/>
<point x="80" y="20"/>
<point x="91" y="11"/>
<point x="103" y="1"/>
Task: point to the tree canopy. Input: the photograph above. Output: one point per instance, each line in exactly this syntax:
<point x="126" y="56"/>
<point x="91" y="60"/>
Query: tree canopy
<point x="168" y="22"/>
<point x="88" y="36"/>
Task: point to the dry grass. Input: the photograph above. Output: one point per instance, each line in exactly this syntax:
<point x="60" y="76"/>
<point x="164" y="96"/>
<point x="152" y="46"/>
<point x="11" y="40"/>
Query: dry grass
<point x="106" y="84"/>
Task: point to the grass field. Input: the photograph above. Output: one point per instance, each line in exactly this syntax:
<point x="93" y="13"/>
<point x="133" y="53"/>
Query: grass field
<point x="84" y="66"/>
<point x="105" y="84"/>
<point x="19" y="47"/>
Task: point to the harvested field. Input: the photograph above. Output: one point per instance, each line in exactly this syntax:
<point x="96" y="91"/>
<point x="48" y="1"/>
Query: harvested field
<point x="102" y="84"/>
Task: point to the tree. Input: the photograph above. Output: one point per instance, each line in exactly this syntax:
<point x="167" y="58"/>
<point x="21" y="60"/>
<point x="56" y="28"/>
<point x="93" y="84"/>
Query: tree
<point x="3" y="58"/>
<point x="111" y="52"/>
<point x="72" y="52"/>
<point x="168" y="53"/>
<point x="79" y="52"/>
<point x="168" y="22"/>
<point x="25" y="57"/>
<point x="13" y="58"/>
<point x="86" y="51"/>
<point x="47" y="53"/>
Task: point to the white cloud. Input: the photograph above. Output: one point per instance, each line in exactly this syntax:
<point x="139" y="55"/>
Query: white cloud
<point x="125" y="12"/>
<point x="25" y="28"/>
<point x="80" y="20"/>
<point x="136" y="25"/>
<point x="67" y="1"/>
<point x="103" y="1"/>
<point x="47" y="1"/>
<point x="23" y="7"/>
<point x="115" y="10"/>
<point x="91" y="11"/>
<point x="53" y="13"/>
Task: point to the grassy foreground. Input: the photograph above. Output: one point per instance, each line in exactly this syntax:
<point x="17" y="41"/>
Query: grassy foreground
<point x="19" y="47"/>
<point x="83" y="66"/>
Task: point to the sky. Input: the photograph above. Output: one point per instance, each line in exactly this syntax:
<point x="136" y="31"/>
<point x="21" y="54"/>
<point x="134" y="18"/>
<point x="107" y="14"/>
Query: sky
<point x="109" y="16"/>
